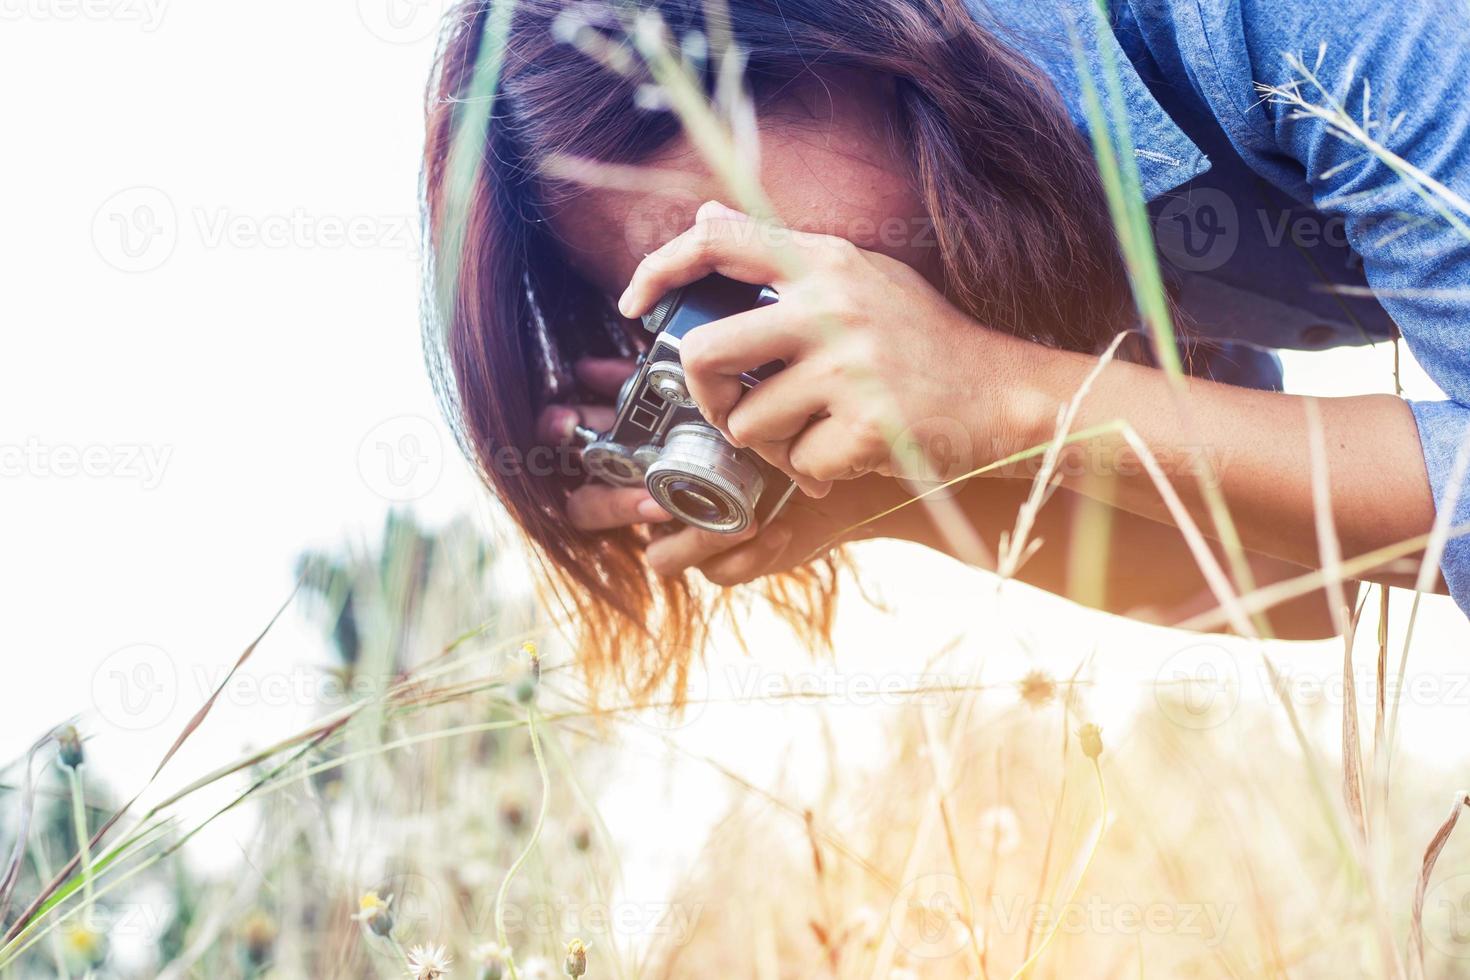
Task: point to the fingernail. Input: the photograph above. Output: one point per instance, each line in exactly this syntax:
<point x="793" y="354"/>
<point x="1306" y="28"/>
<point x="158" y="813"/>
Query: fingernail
<point x="714" y="209"/>
<point x="565" y="425"/>
<point x="649" y="510"/>
<point x="623" y="306"/>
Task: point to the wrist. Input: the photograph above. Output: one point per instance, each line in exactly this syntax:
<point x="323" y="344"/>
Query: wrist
<point x="1021" y="406"/>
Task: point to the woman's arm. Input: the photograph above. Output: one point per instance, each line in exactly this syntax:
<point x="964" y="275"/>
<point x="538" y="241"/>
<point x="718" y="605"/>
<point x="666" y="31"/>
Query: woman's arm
<point x="1257" y="445"/>
<point x="1148" y="572"/>
<point x="879" y="364"/>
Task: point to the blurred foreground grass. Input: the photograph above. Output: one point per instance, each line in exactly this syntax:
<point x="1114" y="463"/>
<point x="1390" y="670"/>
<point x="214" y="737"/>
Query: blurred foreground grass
<point x="972" y="841"/>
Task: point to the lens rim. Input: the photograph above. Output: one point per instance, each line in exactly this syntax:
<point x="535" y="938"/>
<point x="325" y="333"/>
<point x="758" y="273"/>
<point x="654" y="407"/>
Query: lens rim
<point x="696" y="453"/>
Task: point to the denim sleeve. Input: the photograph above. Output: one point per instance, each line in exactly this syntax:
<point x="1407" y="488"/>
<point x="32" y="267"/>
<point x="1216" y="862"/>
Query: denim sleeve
<point x="1403" y="67"/>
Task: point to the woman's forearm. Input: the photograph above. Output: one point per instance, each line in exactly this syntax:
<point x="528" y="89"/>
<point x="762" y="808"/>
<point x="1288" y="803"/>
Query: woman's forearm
<point x="1256" y="445"/>
<point x="1166" y="587"/>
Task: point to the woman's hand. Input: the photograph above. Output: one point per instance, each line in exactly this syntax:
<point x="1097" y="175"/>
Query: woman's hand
<point x="882" y="374"/>
<point x="724" y="559"/>
<point x="597" y="506"/>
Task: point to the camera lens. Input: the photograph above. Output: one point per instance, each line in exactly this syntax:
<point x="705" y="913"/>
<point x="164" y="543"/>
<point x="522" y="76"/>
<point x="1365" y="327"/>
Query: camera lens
<point x="695" y="501"/>
<point x="704" y="481"/>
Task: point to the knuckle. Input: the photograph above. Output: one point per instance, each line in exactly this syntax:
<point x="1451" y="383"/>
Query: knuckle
<point x="841" y="253"/>
<point x="694" y="351"/>
<point x="741" y="426"/>
<point x="725" y="573"/>
<point x="661" y="562"/>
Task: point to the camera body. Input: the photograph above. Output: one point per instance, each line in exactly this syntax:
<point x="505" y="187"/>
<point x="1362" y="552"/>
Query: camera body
<point x="660" y="440"/>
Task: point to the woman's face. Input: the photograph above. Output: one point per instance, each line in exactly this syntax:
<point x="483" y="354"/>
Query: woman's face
<point x="831" y="162"/>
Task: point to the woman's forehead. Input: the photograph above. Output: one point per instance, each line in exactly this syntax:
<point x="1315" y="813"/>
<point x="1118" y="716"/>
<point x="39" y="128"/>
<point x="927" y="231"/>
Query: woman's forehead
<point x="844" y="181"/>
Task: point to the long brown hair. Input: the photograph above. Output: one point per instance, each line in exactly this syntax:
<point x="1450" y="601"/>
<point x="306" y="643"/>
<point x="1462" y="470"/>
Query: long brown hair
<point x="1024" y="242"/>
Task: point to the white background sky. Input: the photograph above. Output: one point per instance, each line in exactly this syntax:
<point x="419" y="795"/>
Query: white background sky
<point x="179" y="178"/>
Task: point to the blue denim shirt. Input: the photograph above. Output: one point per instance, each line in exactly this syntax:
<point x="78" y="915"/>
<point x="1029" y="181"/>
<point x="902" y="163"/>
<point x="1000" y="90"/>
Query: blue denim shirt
<point x="1259" y="214"/>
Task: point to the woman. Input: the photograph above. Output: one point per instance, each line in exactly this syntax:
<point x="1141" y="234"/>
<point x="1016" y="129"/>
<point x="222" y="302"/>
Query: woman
<point x="961" y="131"/>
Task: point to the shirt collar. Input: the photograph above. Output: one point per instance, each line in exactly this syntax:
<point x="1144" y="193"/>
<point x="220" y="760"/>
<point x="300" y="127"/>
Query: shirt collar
<point x="1042" y="31"/>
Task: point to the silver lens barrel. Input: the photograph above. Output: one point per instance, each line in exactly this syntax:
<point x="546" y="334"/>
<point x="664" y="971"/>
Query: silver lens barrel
<point x="613" y="463"/>
<point x="704" y="481"/>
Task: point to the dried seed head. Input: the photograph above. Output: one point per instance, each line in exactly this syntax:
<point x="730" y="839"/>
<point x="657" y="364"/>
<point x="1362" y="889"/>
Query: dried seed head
<point x="533" y="657"/>
<point x="1089" y="736"/>
<point x="257" y="937"/>
<point x="512" y="813"/>
<point x="576" y="962"/>
<point x="582" y="838"/>
<point x="375" y="913"/>
<point x="70" y="742"/>
<point x="1037" y="688"/>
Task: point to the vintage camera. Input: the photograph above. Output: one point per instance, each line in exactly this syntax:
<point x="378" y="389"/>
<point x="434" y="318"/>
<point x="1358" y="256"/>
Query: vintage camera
<point x="659" y="438"/>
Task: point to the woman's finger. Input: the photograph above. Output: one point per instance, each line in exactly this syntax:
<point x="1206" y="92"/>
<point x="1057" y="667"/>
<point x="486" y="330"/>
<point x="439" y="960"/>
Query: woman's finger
<point x="824" y="451"/>
<point x="689" y="547"/>
<point x="595" y="507"/>
<point x="555" y="424"/>
<point x="715" y="355"/>
<point x="750" y="251"/>
<point x="604" y="375"/>
<point x="777" y="409"/>
<point x="749" y="561"/>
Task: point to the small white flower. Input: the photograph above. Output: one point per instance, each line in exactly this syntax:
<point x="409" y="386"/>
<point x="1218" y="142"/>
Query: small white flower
<point x="538" y="968"/>
<point x="428" y="963"/>
<point x="492" y="959"/>
<point x="1000" y="830"/>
